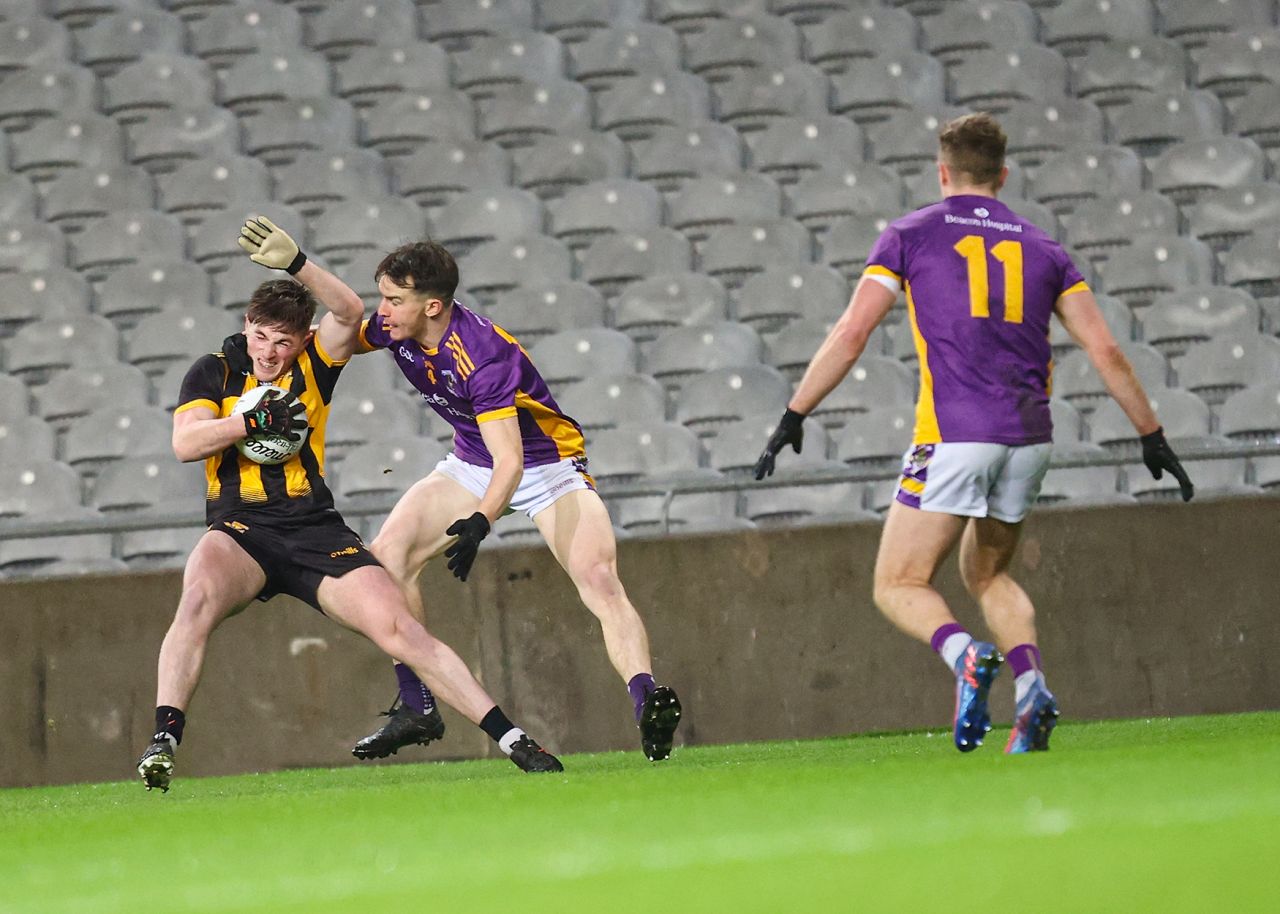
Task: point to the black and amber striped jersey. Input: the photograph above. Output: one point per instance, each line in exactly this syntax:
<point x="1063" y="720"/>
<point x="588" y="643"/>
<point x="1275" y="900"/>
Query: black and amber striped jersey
<point x="292" y="490"/>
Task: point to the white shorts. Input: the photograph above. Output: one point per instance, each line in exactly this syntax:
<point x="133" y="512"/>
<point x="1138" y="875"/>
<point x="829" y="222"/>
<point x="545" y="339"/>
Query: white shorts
<point x="974" y="479"/>
<point x="538" y="489"/>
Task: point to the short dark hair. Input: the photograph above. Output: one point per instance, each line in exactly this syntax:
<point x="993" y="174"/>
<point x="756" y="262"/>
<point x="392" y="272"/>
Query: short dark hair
<point x="421" y="265"/>
<point x="282" y="303"/>
<point x="974" y="145"/>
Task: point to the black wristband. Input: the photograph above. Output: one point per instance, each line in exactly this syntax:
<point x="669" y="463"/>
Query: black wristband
<point x="293" y="268"/>
<point x="791" y="417"/>
<point x="1152" y="437"/>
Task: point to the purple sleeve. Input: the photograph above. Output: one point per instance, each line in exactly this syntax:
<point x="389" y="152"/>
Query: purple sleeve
<point x="1072" y="279"/>
<point x="887" y="258"/>
<point x="373" y="335"/>
<point x="492" y="387"/>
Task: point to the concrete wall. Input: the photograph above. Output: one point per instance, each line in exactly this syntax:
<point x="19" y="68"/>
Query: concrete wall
<point x="1157" y="609"/>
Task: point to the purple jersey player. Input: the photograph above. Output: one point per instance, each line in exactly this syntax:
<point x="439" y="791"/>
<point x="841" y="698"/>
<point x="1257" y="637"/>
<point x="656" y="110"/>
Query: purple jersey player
<point x="981" y="284"/>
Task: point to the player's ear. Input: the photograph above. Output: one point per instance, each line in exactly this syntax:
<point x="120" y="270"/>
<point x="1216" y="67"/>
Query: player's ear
<point x="944" y="176"/>
<point x="1004" y="176"/>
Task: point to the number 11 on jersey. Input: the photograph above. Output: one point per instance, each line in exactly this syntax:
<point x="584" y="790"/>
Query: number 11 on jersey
<point x="973" y="248"/>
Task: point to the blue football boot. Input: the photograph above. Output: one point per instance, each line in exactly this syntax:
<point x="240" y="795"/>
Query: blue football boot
<point x="1036" y="716"/>
<point x="975" y="671"/>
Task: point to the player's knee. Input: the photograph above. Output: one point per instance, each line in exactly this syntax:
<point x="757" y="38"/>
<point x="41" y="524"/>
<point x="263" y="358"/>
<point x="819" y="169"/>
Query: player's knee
<point x="599" y="578"/>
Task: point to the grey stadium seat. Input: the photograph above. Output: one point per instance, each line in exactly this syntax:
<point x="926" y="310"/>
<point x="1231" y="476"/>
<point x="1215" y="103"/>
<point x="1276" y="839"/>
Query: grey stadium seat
<point x="516" y="113"/>
<point x="742" y="42"/>
<point x="374" y="377"/>
<point x="31" y="41"/>
<point x="1252" y="414"/>
<point x="1081" y="486"/>
<point x="17" y="198"/>
<point x="1116" y="72"/>
<point x="1229" y="65"/>
<point x="1040" y="129"/>
<point x="154" y="285"/>
<point x="738" y="444"/>
<point x="1257" y="117"/>
<point x="705" y="203"/>
<point x="277" y="74"/>
<point x="1155" y="121"/>
<point x="112" y="432"/>
<point x="213" y="242"/>
<point x="1102" y="225"/>
<point x="623" y="50"/>
<point x="25" y="438"/>
<point x="688" y="513"/>
<point x="356" y="420"/>
<point x="821" y="197"/>
<point x="79" y="195"/>
<point x="219" y="181"/>
<point x="1074" y="26"/>
<point x="791" y="147"/>
<point x="235" y="282"/>
<point x="876" y="439"/>
<point x="497" y="266"/>
<point x="455" y="24"/>
<point x="318" y="179"/>
<point x="1183" y="416"/>
<point x="406" y="66"/>
<point x="153" y="550"/>
<point x="126" y="236"/>
<point x="1118" y="317"/>
<point x="635" y="106"/>
<point x="874" y="382"/>
<point x="1075" y="379"/>
<point x="553" y="164"/>
<point x="870" y="89"/>
<point x="156" y="82"/>
<point x="732" y="253"/>
<point x="342" y="26"/>
<point x="768" y="300"/>
<point x="161" y="339"/>
<point x="400" y="124"/>
<point x="48" y="90"/>
<point x="973" y="25"/>
<point x="692" y="16"/>
<point x="865" y="32"/>
<point x="77" y="141"/>
<point x="78" y="391"/>
<point x="1253" y="264"/>
<point x="673" y="155"/>
<point x="1177" y="320"/>
<point x="61" y="556"/>
<point x="792" y="348"/>
<point x="613" y="261"/>
<point x="381" y="471"/>
<point x="226" y="33"/>
<point x="15" y="400"/>
<point x="1212" y="479"/>
<point x="1068" y="424"/>
<point x="684" y="351"/>
<point x="169" y="138"/>
<point x="533" y="311"/>
<point x="993" y="79"/>
<point x="752" y="99"/>
<point x="1087" y="172"/>
<point x="714" y="398"/>
<point x="1185" y="171"/>
<point x="1219" y="367"/>
<point x="118" y="39"/>
<point x="440" y="171"/>
<point x="848" y="241"/>
<point x="1223" y="216"/>
<point x="47" y="294"/>
<point x="487" y="214"/>
<point x="907" y="139"/>
<point x="649" y="306"/>
<point x="1193" y="24"/>
<point x="32" y="487"/>
<point x="369" y="223"/>
<point x="278" y="131"/>
<point x="613" y="400"/>
<point x="639" y="450"/>
<point x="154" y="484"/>
<point x="29" y="244"/>
<point x="577" y="20"/>
<point x="834" y="503"/>
<point x="602" y="207"/>
<point x="508" y="59"/>
<point x="572" y="355"/>
<point x="39" y="349"/>
<point x="1155" y="263"/>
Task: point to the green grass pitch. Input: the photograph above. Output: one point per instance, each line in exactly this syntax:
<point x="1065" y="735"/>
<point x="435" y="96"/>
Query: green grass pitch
<point x="1161" y="815"/>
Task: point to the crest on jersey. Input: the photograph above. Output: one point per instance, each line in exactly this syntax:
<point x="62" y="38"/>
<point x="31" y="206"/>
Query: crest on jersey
<point x="981" y="212"/>
<point x="450" y="381"/>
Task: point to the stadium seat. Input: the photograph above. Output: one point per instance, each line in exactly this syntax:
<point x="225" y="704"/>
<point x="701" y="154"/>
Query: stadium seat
<point x="224" y="34"/>
<point x="1074" y="26"/>
<point x="126" y="236"/>
<point x="220" y="181"/>
<point x="992" y="79"/>
<point x="635" y="106"/>
<point x="1082" y="486"/>
<point x="34" y="487"/>
<point x="155" y="550"/>
<point x="1253" y="264"/>
<point x="1257" y="117"/>
<point x="1155" y="121"/>
<point x="276" y="74"/>
<point x="650" y="306"/>
<point x="614" y="400"/>
<point x="738" y="445"/>
<point x="1231" y="64"/>
<point x="873" y="383"/>
<point x="60" y="556"/>
<point x="793" y="347"/>
<point x="692" y="16"/>
<point x="45" y="91"/>
<point x="1252" y="414"/>
<point x="342" y="26"/>
<point x="155" y="484"/>
<point x="1223" y="216"/>
<point x="497" y="266"/>
<point x="373" y="377"/>
<point x="711" y="201"/>
<point x="356" y="420"/>
<point x="753" y="99"/>
<point x="15" y="399"/>
<point x="875" y="440"/>
<point x="454" y="25"/>
<point x="32" y="41"/>
<point x="1185" y="171"/>
<point x="508" y="59"/>
<point x="83" y="140"/>
<point x="1193" y="24"/>
<point x="1076" y="381"/>
<point x="318" y="179"/>
<point x="1119" y="319"/>
<point x="78" y="391"/>
<point x="1102" y="225"/>
<point x="1219" y="367"/>
<point x="38" y="349"/>
<point x="114" y="431"/>
<point x="1040" y="129"/>
<point x="768" y="300"/>
<point x="1087" y="172"/>
<point x="1266" y="473"/>
<point x="359" y="224"/>
<point x="25" y="438"/>
<point x="401" y="124"/>
<point x="487" y="214"/>
<point x="18" y="198"/>
<point x="1155" y="263"/>
<point x="821" y="197"/>
<point x="77" y="196"/>
<point x="572" y="355"/>
<point x="629" y="49"/>
<point x="907" y="139"/>
<point x="53" y="293"/>
<point x="439" y="171"/>
<point x="578" y="20"/>
<point x="687" y="513"/>
<point x="212" y="243"/>
<point x="848" y="242"/>
<point x="602" y="207"/>
<point x="235" y="282"/>
<point x="807" y="504"/>
<point x="169" y="138"/>
<point x="278" y="131"/>
<point x="977" y="25"/>
<point x="681" y="352"/>
<point x="151" y="286"/>
<point x="790" y="147"/>
<point x="553" y="164"/>
<point x="1183" y="416"/>
<point x="380" y="471"/>
<point x="1177" y="320"/>
<point x="161" y="339"/>
<point x="673" y="155"/>
<point x="535" y="310"/>
<point x="871" y="89"/>
<point x="1212" y="479"/>
<point x="121" y="38"/>
<point x="732" y="253"/>
<point x="156" y="82"/>
<point x="613" y="261"/>
<point x="517" y="113"/>
<point x="405" y="67"/>
<point x="862" y="33"/>
<point x="1068" y="424"/>
<point x="714" y="398"/>
<point x="29" y="244"/>
<point x="742" y="42"/>
<point x="642" y="450"/>
<point x="1116" y="72"/>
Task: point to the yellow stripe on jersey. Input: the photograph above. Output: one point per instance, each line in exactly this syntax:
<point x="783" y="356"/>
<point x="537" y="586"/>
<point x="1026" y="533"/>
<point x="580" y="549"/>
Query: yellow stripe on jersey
<point x="1081" y="286"/>
<point x="506" y="412"/>
<point x="876" y="270"/>
<point x="208" y="404"/>
<point x="569" y="441"/>
<point x="213" y="485"/>
<point x="251" y="487"/>
<point x="508" y="337"/>
<point x="460" y="356"/>
<point x="926" y="431"/>
<point x="914" y="486"/>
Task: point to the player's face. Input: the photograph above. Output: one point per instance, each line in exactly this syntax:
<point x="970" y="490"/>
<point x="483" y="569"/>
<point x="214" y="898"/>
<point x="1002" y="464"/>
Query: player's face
<point x="405" y="311"/>
<point x="272" y="350"/>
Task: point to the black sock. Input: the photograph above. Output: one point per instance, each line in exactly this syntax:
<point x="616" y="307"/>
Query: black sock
<point x="170" y="720"/>
<point x="496" y="724"/>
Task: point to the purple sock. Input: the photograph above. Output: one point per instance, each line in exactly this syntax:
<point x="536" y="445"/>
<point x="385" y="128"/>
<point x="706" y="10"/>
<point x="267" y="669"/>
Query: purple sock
<point x="640" y="686"/>
<point x="1023" y="659"/>
<point x="943" y="633"/>
<point x="413" y="692"/>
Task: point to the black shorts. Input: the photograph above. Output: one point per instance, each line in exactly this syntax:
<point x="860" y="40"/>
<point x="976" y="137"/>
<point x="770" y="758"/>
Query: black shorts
<point x="297" y="555"/>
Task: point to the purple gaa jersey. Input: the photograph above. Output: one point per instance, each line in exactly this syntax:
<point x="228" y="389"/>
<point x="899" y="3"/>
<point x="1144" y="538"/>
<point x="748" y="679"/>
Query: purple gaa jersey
<point x="479" y="373"/>
<point x="981" y="283"/>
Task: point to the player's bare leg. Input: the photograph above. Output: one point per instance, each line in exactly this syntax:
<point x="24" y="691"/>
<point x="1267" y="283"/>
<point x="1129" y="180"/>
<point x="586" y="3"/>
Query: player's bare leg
<point x="368" y="601"/>
<point x="912" y="546"/>
<point x="577" y="528"/>
<point x="220" y="580"/>
<point x="986" y="550"/>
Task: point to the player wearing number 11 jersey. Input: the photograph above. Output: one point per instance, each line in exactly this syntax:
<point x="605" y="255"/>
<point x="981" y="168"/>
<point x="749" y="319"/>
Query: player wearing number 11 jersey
<point x="981" y="284"/>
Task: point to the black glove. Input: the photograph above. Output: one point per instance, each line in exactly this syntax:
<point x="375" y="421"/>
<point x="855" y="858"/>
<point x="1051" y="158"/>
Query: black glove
<point x="463" y="552"/>
<point x="236" y="350"/>
<point x="281" y="415"/>
<point x="1158" y="457"/>
<point x="790" y="431"/>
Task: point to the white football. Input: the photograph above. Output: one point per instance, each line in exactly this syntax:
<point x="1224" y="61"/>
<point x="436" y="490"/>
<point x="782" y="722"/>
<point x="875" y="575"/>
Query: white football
<point x="267" y="447"/>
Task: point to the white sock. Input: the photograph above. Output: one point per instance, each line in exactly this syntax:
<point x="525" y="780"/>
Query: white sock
<point x="1022" y="685"/>
<point x="953" y="647"/>
<point x="510" y="738"/>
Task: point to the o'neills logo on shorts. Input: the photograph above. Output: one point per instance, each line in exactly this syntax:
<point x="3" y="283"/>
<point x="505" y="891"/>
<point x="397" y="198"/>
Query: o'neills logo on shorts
<point x="350" y="550"/>
<point x="235" y="525"/>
